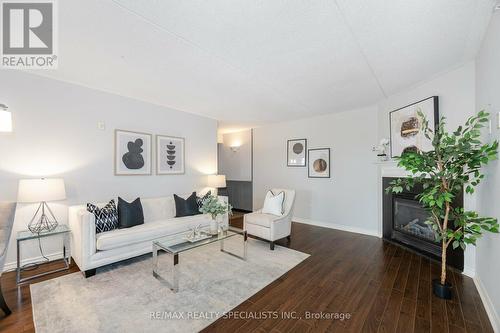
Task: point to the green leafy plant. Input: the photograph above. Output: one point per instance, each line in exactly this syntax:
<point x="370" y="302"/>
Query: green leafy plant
<point x="453" y="165"/>
<point x="215" y="207"/>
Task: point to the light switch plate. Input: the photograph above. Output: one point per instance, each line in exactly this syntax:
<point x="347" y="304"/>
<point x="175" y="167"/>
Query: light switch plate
<point x="101" y="125"/>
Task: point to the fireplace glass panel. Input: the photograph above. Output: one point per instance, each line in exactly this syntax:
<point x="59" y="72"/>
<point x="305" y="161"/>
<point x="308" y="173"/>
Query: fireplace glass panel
<point x="410" y="217"/>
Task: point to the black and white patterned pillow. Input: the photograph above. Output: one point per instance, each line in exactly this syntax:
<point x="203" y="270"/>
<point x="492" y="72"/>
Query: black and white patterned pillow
<point x="106" y="218"/>
<point x="201" y="200"/>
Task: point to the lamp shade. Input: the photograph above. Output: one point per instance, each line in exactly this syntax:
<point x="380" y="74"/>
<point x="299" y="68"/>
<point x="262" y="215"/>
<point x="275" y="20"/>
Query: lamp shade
<point x="5" y="121"/>
<point x="41" y="189"/>
<point x="217" y="181"/>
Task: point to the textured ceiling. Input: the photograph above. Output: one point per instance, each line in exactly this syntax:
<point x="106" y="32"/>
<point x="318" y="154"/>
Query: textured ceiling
<point x="250" y="62"/>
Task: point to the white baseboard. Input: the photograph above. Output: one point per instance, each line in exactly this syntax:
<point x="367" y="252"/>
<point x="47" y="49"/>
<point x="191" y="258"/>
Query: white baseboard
<point x="493" y="315"/>
<point x="12" y="266"/>
<point x="469" y="272"/>
<point x="337" y="226"/>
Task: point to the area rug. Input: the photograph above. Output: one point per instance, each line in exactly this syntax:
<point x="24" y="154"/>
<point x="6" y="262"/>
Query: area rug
<point x="125" y="297"/>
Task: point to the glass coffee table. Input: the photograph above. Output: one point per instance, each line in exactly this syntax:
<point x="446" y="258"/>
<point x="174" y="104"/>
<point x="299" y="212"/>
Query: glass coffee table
<point x="175" y="244"/>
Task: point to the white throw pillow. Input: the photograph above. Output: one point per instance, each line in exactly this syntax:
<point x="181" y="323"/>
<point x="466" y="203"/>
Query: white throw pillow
<point x="274" y="204"/>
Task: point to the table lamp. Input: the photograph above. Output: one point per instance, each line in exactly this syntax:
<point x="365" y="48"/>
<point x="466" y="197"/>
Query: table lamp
<point x="216" y="181"/>
<point x="41" y="191"/>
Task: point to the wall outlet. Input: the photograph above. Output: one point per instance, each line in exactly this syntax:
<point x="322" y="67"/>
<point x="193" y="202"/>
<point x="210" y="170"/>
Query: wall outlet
<point x="101" y="125"/>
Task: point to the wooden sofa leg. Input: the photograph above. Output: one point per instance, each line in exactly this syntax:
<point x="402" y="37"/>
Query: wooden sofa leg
<point x="89" y="273"/>
<point x="272" y="246"/>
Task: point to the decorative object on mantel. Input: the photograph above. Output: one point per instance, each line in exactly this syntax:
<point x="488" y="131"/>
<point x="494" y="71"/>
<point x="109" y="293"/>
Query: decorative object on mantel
<point x="215" y="208"/>
<point x="454" y="163"/>
<point x="319" y="163"/>
<point x="170" y="155"/>
<point x="381" y="149"/>
<point x="41" y="191"/>
<point x="405" y="126"/>
<point x="132" y="153"/>
<point x="296" y="153"/>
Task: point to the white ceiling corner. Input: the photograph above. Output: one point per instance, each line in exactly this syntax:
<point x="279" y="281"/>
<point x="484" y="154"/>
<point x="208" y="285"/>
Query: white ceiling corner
<point x="248" y="62"/>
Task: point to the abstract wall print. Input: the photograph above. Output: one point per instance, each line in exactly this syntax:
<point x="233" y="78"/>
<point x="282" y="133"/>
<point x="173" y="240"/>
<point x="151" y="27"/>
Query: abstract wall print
<point x="132" y="153"/>
<point x="296" y="153"/>
<point x="406" y="124"/>
<point x="319" y="163"/>
<point x="170" y="156"/>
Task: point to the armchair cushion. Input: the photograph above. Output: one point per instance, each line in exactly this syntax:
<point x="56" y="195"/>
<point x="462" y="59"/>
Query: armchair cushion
<point x="274" y="203"/>
<point x="262" y="219"/>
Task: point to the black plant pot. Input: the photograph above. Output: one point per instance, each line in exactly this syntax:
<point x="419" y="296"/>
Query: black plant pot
<point x="441" y="291"/>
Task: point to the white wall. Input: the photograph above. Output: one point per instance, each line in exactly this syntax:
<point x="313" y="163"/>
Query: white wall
<point x="456" y="91"/>
<point x="348" y="200"/>
<point x="236" y="165"/>
<point x="56" y="135"/>
<point x="488" y="97"/>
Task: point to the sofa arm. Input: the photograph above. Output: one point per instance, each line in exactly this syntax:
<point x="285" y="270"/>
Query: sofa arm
<point x="83" y="240"/>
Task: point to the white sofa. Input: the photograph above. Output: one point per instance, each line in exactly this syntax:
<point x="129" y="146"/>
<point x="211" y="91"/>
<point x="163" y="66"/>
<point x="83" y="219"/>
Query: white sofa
<point x="91" y="250"/>
<point x="272" y="227"/>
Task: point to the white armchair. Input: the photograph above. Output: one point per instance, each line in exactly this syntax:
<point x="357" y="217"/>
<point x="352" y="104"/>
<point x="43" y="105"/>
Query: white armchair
<point x="271" y="227"/>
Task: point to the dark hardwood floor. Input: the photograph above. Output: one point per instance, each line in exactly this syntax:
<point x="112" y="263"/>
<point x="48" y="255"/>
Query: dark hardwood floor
<point x="383" y="288"/>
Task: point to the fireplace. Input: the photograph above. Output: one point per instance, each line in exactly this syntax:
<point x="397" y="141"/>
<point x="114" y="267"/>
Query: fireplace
<point x="404" y="223"/>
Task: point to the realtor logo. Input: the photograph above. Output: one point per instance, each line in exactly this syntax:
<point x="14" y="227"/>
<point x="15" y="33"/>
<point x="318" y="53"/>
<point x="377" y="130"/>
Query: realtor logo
<point x="28" y="35"/>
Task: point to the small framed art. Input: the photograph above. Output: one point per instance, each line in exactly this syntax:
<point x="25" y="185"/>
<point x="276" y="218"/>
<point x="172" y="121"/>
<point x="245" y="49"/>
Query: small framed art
<point x="319" y="163"/>
<point x="170" y="155"/>
<point x="296" y="153"/>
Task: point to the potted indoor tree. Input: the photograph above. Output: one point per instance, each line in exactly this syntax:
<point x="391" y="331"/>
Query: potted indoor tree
<point x="453" y="165"/>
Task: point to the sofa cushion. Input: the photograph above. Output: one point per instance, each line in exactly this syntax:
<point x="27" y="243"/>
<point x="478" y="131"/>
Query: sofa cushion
<point x="274" y="203"/>
<point x="129" y="213"/>
<point x="261" y="219"/>
<point x="186" y="207"/>
<point x="156" y="209"/>
<point x="201" y="200"/>
<point x="148" y="231"/>
<point x="106" y="218"/>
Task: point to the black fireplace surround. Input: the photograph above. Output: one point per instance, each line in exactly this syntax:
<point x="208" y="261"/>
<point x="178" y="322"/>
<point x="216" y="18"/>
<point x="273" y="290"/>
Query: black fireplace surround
<point x="404" y="223"/>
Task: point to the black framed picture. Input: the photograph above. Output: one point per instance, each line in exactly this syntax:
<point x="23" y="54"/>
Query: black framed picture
<point x="132" y="153"/>
<point x="405" y="126"/>
<point x="296" y="153"/>
<point x="170" y="155"/>
<point x="319" y="163"/>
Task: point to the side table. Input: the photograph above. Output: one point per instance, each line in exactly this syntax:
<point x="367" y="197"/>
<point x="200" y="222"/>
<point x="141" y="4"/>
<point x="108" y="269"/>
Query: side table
<point x="25" y="235"/>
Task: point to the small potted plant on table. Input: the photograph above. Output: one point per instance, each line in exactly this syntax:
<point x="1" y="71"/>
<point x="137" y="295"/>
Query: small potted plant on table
<point x="454" y="164"/>
<point x="215" y="207"/>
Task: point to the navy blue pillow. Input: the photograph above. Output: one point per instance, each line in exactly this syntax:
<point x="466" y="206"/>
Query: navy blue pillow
<point x="186" y="207"/>
<point x="130" y="214"/>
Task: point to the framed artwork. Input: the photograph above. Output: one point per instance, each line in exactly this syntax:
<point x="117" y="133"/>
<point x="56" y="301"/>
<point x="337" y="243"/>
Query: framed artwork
<point x="170" y="156"/>
<point x="405" y="126"/>
<point x="319" y="163"/>
<point x="132" y="153"/>
<point x="296" y="153"/>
